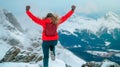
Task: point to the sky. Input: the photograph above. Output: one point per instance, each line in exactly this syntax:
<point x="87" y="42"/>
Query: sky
<point x="83" y="6"/>
<point x="42" y="7"/>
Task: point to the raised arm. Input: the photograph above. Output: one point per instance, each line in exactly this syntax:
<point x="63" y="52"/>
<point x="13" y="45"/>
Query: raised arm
<point x="65" y="17"/>
<point x="34" y="18"/>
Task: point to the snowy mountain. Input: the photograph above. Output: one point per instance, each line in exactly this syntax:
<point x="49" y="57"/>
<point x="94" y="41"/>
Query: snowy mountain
<point x="90" y="34"/>
<point x="111" y="16"/>
<point x="109" y="21"/>
<point x="12" y="34"/>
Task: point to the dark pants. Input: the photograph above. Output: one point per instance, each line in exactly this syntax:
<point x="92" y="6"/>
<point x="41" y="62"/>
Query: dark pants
<point x="46" y="45"/>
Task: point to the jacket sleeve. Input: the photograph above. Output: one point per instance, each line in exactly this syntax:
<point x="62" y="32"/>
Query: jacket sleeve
<point x="65" y="17"/>
<point x="36" y="19"/>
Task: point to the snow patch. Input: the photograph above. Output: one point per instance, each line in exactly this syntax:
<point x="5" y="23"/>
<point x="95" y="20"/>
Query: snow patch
<point x="107" y="43"/>
<point x="4" y="47"/>
<point x="108" y="63"/>
<point x="56" y="63"/>
<point x="118" y="55"/>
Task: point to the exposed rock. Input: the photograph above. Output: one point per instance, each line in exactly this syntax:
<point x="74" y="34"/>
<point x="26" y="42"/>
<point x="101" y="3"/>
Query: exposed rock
<point x="14" y="54"/>
<point x="30" y="49"/>
<point x="35" y="45"/>
<point x="13" y="42"/>
<point x="100" y="64"/>
<point x="11" y="18"/>
<point x="11" y="54"/>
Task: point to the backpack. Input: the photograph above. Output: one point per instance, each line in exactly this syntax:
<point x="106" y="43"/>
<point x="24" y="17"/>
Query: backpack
<point x="51" y="29"/>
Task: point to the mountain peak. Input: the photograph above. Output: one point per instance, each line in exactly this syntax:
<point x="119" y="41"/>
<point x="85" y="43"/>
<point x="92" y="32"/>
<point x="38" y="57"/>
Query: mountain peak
<point x="112" y="16"/>
<point x="8" y="16"/>
<point x="110" y="13"/>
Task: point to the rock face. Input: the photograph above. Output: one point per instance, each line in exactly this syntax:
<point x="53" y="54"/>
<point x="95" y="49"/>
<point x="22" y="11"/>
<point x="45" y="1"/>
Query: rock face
<point x="11" y="18"/>
<point x="14" y="54"/>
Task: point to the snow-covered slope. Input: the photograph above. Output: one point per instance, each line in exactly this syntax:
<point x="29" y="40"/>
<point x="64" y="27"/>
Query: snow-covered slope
<point x="11" y="34"/>
<point x="56" y="63"/>
<point x="69" y="57"/>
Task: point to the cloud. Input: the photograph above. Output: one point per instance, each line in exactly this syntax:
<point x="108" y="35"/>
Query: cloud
<point x="88" y="8"/>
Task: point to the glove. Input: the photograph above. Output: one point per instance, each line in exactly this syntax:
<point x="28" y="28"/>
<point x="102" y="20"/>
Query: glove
<point x="73" y="7"/>
<point x="27" y="8"/>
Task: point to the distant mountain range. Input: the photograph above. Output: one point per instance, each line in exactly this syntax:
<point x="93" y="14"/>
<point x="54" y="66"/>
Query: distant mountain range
<point x="102" y="34"/>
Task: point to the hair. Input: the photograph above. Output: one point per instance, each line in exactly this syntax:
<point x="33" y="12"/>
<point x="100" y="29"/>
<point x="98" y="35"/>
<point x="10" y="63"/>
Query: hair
<point x="54" y="17"/>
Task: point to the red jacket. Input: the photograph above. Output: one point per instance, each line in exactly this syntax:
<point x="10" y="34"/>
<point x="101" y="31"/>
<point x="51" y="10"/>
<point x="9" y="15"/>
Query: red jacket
<point x="48" y="20"/>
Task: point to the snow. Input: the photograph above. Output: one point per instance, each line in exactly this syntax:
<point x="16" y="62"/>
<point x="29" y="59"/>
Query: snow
<point x="4" y="47"/>
<point x="76" y="46"/>
<point x="2" y="17"/>
<point x="117" y="52"/>
<point x="99" y="53"/>
<point x="56" y="63"/>
<point x="66" y="33"/>
<point x="107" y="64"/>
<point x="107" y="43"/>
<point x="78" y="22"/>
<point x="118" y="55"/>
<point x="112" y="16"/>
<point x="69" y="58"/>
<point x="13" y="64"/>
<point x="114" y="50"/>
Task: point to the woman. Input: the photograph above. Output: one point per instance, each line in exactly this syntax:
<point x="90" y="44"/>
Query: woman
<point x="49" y="35"/>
